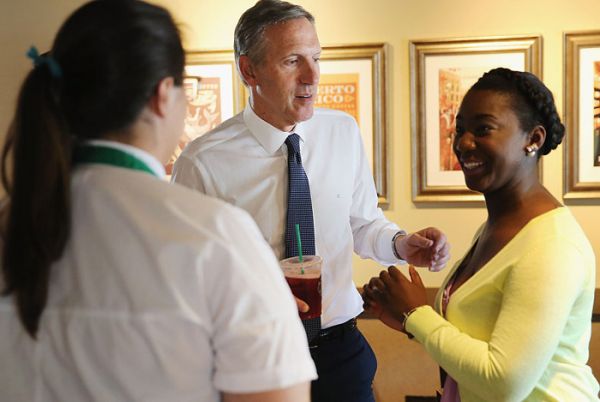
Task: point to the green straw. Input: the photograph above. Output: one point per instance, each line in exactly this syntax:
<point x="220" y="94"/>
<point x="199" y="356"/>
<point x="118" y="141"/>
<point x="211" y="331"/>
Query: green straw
<point x="299" y="246"/>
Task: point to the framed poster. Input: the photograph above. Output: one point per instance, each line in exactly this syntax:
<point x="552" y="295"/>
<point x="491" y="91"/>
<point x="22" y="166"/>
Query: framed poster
<point x="582" y="115"/>
<point x="353" y="79"/>
<point x="441" y="71"/>
<point x="213" y="92"/>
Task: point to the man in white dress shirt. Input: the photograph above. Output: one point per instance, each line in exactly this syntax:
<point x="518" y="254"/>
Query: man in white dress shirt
<point x="244" y="162"/>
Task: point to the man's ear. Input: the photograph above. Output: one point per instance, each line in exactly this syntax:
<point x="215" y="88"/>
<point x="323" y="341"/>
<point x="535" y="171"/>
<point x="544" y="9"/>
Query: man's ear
<point x="247" y="70"/>
<point x="159" y="102"/>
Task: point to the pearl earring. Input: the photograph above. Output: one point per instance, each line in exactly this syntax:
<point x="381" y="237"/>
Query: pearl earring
<point x="531" y="150"/>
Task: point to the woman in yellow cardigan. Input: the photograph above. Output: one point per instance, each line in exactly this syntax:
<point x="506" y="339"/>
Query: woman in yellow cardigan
<point x="512" y="320"/>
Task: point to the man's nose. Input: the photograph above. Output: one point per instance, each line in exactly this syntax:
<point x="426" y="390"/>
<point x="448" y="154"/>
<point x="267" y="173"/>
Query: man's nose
<point x="310" y="73"/>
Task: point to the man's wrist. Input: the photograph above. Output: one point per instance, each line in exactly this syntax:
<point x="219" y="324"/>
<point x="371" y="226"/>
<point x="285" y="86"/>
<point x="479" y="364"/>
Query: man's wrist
<point x="398" y="235"/>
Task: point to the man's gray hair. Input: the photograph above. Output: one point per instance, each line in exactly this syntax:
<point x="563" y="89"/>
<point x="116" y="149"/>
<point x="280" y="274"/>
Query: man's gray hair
<point x="249" y="31"/>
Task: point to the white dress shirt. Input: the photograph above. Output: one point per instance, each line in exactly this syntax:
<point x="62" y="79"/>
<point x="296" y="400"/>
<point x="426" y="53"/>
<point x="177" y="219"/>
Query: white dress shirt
<point x="162" y="294"/>
<point x="244" y="162"/>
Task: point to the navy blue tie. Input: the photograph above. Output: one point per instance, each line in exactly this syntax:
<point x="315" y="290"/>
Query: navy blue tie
<point x="299" y="211"/>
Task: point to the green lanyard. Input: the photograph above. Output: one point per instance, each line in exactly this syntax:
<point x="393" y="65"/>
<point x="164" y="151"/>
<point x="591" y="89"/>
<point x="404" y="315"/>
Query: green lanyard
<point x="109" y="156"/>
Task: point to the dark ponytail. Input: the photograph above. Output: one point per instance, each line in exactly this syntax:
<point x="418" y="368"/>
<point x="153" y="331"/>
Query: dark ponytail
<point x="38" y="220"/>
<point x="111" y="55"/>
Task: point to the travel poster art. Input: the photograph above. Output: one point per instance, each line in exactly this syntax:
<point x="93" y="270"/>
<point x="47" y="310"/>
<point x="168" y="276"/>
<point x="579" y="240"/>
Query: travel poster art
<point x="453" y="84"/>
<point x="339" y="92"/>
<point x="203" y="111"/>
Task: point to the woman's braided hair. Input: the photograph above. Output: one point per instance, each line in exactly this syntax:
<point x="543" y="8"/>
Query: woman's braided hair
<point x="532" y="102"/>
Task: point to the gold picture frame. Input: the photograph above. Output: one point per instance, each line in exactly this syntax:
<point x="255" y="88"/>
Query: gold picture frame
<point x="582" y="115"/>
<point x="358" y="72"/>
<point x="440" y="73"/>
<point x="214" y="92"/>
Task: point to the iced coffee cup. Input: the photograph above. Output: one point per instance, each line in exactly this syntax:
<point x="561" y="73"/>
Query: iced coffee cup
<point x="304" y="279"/>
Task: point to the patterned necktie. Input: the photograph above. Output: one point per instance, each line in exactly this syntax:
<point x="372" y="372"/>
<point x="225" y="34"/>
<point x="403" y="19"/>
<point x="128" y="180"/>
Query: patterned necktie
<point x="299" y="211"/>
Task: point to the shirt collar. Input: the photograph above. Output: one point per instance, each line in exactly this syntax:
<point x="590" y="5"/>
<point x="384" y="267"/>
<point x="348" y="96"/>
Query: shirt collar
<point x="269" y="137"/>
<point x="151" y="161"/>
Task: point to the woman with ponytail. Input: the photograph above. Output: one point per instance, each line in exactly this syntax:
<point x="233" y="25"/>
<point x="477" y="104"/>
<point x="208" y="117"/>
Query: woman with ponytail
<point x="118" y="286"/>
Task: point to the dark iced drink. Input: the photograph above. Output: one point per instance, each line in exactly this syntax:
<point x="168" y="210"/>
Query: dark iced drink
<point x="304" y="279"/>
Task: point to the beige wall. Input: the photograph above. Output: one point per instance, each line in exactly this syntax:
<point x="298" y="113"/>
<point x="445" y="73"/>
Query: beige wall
<point x="210" y="24"/>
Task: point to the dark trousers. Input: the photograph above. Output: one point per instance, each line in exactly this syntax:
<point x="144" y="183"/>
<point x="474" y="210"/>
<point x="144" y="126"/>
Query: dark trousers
<point x="346" y="367"/>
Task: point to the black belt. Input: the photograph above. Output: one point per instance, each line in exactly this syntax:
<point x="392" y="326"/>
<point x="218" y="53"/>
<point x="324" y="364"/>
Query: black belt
<point x="335" y="332"/>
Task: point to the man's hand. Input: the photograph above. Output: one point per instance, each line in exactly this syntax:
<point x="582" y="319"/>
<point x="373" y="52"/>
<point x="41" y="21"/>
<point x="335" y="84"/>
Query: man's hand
<point x="425" y="248"/>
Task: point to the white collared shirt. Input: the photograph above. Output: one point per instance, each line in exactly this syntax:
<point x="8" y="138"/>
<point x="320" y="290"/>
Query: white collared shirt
<point x="151" y="302"/>
<point x="244" y="162"/>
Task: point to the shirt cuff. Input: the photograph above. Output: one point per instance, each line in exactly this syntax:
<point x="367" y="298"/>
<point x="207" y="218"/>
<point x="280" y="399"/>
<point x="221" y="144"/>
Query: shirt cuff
<point x="385" y="251"/>
<point x="268" y="379"/>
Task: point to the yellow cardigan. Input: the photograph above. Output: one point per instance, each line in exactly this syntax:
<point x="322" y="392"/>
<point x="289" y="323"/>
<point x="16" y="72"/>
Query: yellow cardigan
<point x="519" y="329"/>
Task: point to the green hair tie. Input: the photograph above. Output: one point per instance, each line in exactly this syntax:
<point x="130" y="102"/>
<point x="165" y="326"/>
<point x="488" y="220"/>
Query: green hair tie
<point x="46" y="59"/>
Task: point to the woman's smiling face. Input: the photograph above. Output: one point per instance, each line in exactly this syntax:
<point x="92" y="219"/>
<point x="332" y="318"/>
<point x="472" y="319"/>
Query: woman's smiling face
<point x="490" y="142"/>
